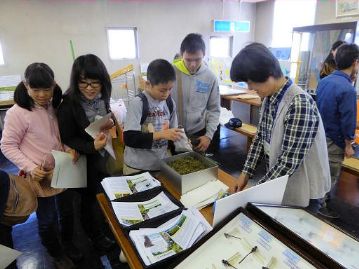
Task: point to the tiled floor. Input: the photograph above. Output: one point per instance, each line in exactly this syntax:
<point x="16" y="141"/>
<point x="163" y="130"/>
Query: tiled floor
<point x="230" y="157"/>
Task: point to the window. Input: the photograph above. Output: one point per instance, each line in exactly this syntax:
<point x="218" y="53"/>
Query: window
<point x="289" y="14"/>
<point x="1" y="56"/>
<point x="122" y="43"/>
<point x="220" y="46"/>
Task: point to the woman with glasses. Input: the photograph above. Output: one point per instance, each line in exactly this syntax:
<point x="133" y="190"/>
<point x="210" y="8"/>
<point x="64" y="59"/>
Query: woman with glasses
<point x="30" y="134"/>
<point x="87" y="99"/>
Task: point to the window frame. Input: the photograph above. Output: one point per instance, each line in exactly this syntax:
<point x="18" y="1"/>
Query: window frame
<point x="230" y="48"/>
<point x="277" y="20"/>
<point x="135" y="32"/>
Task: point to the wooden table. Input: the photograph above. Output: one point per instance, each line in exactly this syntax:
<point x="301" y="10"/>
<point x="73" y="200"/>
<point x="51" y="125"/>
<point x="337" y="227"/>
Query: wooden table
<point x="6" y="103"/>
<point x="226" y="99"/>
<point x="351" y="165"/>
<point x="132" y="259"/>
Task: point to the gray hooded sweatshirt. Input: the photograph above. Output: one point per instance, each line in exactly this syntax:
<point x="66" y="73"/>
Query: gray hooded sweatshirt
<point x="200" y="101"/>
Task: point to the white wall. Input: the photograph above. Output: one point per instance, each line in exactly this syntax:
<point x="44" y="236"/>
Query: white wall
<point x="40" y="30"/>
<point x="264" y="22"/>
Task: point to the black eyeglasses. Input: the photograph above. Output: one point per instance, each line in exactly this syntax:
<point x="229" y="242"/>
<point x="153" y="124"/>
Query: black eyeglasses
<point x="84" y="84"/>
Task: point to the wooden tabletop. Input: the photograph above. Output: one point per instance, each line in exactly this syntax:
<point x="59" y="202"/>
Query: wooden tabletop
<point x="251" y="98"/>
<point x="6" y="103"/>
<point x="351" y="165"/>
<point x="128" y="250"/>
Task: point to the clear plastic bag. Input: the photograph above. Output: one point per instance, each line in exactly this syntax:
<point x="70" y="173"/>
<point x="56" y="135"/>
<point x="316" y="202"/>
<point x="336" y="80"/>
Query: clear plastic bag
<point x="184" y="144"/>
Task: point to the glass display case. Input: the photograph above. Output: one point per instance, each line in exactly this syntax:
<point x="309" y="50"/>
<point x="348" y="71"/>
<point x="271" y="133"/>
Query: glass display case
<point x="241" y="242"/>
<point x="319" y="237"/>
<point x="311" y="45"/>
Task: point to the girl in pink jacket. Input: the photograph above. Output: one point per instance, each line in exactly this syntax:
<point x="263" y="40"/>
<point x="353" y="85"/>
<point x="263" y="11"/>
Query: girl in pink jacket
<point x="30" y="133"/>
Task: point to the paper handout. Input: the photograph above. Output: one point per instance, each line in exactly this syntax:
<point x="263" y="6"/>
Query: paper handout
<point x="7" y="256"/>
<point x="95" y="128"/>
<point x="68" y="174"/>
<point x="176" y="235"/>
<point x="117" y="187"/>
<point x="129" y="213"/>
<point x="270" y="192"/>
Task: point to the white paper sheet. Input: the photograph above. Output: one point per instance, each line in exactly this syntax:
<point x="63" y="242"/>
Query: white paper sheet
<point x="68" y="174"/>
<point x="176" y="235"/>
<point x="204" y="195"/>
<point x="7" y="256"/>
<point x="117" y="187"/>
<point x="270" y="192"/>
<point x="129" y="213"/>
<point x="95" y="128"/>
<point x="228" y="90"/>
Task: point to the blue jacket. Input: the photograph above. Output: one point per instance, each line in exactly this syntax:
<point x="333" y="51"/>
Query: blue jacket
<point x="336" y="99"/>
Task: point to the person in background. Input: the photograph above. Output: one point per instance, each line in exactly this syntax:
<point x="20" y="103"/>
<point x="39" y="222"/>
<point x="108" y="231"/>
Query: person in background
<point x="336" y="99"/>
<point x="290" y="132"/>
<point x="146" y="142"/>
<point x="196" y="94"/>
<point x="87" y="99"/>
<point x="30" y="134"/>
<point x="329" y="64"/>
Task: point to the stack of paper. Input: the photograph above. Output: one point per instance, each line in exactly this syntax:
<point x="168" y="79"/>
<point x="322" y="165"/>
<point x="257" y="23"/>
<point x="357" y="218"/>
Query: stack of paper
<point x="129" y="213"/>
<point x="117" y="187"/>
<point x="228" y="90"/>
<point x="204" y="195"/>
<point x="176" y="235"/>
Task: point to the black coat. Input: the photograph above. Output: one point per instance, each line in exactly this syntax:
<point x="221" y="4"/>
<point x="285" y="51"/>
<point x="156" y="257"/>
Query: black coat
<point x="72" y="124"/>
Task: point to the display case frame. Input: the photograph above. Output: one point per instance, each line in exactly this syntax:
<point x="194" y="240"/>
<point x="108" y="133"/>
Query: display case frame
<point x="312" y="44"/>
<point x="310" y="248"/>
<point x="278" y="236"/>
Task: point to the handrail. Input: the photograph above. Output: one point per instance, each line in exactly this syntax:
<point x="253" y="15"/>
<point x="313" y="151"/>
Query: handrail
<point x="122" y="71"/>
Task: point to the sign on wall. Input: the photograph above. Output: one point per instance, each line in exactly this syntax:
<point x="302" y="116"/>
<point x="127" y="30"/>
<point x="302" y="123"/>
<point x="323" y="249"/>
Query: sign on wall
<point x="231" y="26"/>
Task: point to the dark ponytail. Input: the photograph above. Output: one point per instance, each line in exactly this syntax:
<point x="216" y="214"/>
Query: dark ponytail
<point x="37" y="75"/>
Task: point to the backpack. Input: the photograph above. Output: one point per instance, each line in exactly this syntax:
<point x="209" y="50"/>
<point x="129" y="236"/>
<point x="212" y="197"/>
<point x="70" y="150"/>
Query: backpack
<point x="19" y="199"/>
<point x="145" y="106"/>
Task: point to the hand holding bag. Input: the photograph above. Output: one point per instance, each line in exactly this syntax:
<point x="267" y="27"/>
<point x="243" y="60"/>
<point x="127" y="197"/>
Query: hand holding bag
<point x="43" y="188"/>
<point x="21" y="199"/>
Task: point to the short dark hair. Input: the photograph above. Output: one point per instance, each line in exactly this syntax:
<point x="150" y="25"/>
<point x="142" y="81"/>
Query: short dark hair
<point x="89" y="66"/>
<point x="330" y="58"/>
<point x="160" y="71"/>
<point x="346" y="55"/>
<point x="255" y="62"/>
<point x="37" y="75"/>
<point x="193" y="43"/>
<point x="337" y="44"/>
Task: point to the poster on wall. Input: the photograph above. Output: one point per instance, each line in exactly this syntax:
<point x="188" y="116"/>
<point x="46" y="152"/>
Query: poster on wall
<point x="347" y="8"/>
